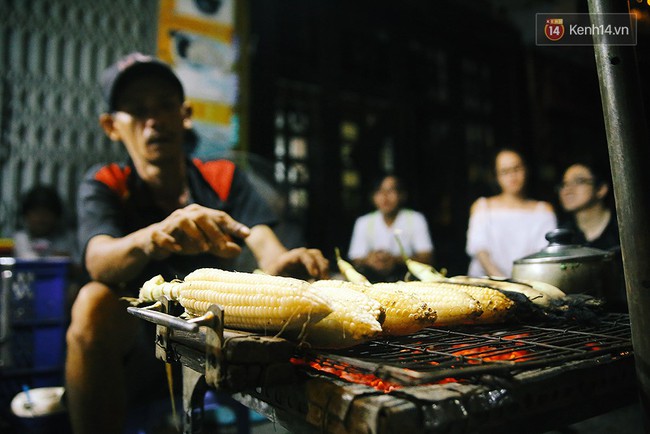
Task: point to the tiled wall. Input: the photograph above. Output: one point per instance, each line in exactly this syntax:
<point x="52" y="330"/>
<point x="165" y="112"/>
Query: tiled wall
<point x="52" y="52"/>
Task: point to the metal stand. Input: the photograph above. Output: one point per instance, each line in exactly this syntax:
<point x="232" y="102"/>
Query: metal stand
<point x="200" y="347"/>
<point x="194" y="388"/>
<point x="629" y="154"/>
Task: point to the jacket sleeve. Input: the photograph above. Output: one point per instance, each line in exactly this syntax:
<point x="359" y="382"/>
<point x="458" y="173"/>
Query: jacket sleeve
<point x="248" y="206"/>
<point x="97" y="211"/>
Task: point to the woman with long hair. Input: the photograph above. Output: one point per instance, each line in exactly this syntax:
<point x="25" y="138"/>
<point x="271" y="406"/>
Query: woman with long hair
<point x="508" y="225"/>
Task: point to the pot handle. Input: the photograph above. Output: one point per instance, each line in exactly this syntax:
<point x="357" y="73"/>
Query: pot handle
<point x="560" y="237"/>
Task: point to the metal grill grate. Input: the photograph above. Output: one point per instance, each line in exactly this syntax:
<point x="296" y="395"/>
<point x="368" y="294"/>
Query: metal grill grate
<point x="439" y="354"/>
<point x="494" y="378"/>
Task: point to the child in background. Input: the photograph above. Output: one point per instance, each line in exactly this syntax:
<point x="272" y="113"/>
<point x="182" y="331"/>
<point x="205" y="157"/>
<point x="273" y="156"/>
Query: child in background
<point x="41" y="213"/>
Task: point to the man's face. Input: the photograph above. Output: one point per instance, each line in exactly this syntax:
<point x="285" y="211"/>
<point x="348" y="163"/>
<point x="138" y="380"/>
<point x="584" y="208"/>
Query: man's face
<point x="387" y="198"/>
<point x="578" y="190"/>
<point x="150" y="119"/>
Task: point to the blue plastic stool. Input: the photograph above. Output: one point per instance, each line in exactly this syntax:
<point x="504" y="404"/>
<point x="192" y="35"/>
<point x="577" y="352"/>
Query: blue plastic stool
<point x="220" y="409"/>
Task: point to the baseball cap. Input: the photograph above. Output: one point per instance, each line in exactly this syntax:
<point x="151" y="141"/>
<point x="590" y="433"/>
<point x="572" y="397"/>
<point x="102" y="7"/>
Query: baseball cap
<point x="131" y="66"/>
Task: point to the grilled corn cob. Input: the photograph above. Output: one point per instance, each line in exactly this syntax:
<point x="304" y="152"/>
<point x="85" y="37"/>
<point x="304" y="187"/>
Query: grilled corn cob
<point x="424" y="272"/>
<point x="355" y="317"/>
<point x="223" y="276"/>
<point x="252" y="301"/>
<point x="537" y="297"/>
<point x="348" y="270"/>
<point x="540" y="293"/>
<point x="452" y="305"/>
<point x="157" y="287"/>
<point x="406" y="312"/>
<point x="494" y="304"/>
<point x="548" y="289"/>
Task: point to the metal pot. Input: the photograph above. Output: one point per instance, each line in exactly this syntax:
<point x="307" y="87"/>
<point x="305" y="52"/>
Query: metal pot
<point x="571" y="267"/>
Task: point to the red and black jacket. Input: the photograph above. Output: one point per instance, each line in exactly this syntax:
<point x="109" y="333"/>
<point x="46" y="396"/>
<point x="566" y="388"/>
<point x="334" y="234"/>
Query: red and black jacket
<point x="114" y="201"/>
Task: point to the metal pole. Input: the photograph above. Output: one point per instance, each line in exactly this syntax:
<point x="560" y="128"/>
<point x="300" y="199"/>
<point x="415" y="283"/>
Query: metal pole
<point x="629" y="156"/>
<point x="6" y="279"/>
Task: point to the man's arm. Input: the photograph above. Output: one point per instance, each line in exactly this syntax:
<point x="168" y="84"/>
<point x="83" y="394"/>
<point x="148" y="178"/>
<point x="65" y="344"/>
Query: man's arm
<point x="187" y="231"/>
<point x="273" y="258"/>
<point x="114" y="260"/>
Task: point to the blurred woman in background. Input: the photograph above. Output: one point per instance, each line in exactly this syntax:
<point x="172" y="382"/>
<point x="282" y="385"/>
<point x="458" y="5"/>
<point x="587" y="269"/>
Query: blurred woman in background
<point x="507" y="226"/>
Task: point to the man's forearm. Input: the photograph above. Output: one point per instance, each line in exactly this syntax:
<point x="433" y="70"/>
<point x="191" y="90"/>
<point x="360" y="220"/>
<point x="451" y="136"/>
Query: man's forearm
<point x="115" y="260"/>
<point x="266" y="248"/>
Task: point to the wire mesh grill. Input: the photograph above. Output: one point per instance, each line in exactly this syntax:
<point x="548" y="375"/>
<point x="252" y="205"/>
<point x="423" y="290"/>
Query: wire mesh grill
<point x="447" y="354"/>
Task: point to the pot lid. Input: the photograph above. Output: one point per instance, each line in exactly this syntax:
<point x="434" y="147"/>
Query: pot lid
<point x="561" y="249"/>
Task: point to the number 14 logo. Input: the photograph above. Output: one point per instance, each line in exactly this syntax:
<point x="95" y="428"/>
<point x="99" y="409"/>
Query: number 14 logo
<point x="554" y="29"/>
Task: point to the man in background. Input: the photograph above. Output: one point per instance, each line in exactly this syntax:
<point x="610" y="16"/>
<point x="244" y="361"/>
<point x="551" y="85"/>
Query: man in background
<point x="374" y="248"/>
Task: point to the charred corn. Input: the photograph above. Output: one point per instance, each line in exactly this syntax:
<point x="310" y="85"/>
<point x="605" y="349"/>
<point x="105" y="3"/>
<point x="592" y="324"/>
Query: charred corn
<point x="406" y="312"/>
<point x="494" y="304"/>
<point x="537" y="297"/>
<point x="252" y="301"/>
<point x="452" y="305"/>
<point x="355" y="317"/>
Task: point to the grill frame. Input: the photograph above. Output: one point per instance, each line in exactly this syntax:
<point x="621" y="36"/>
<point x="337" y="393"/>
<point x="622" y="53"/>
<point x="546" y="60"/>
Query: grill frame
<point x="538" y="400"/>
<point x="491" y="397"/>
<point x="494" y="397"/>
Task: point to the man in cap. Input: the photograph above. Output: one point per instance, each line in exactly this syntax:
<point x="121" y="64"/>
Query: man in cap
<point x="158" y="213"/>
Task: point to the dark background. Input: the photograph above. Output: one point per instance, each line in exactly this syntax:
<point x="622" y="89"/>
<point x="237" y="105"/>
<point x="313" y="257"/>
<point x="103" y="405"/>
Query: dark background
<point x="442" y="84"/>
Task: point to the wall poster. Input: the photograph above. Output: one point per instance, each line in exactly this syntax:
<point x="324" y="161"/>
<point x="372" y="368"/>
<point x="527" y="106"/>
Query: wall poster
<point x="197" y="38"/>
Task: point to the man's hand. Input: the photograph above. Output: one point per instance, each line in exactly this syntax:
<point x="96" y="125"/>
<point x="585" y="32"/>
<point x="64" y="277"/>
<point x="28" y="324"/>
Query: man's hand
<point x="381" y="261"/>
<point x="197" y="229"/>
<point x="302" y="263"/>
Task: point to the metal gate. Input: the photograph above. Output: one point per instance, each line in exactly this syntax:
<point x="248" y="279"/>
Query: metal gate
<point x="52" y="52"/>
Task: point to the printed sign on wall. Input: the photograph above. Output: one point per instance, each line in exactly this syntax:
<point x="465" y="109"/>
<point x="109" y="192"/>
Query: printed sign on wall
<point x="197" y="38"/>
